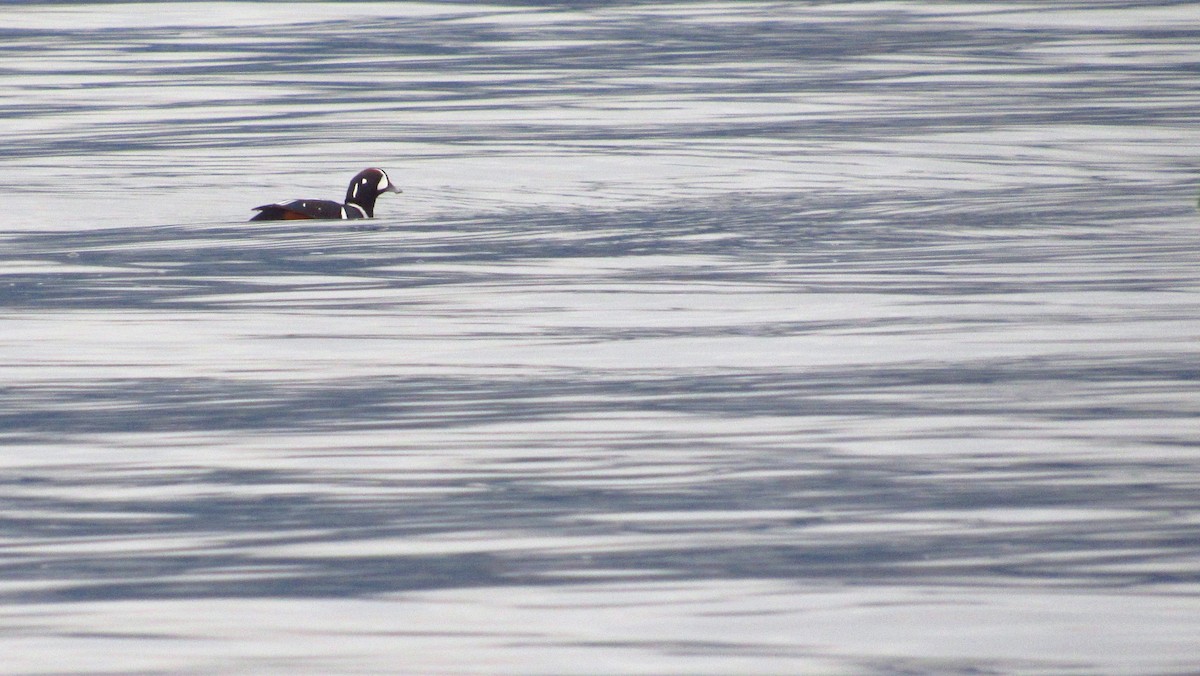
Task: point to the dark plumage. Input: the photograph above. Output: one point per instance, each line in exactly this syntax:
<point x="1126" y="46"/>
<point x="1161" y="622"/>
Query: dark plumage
<point x="360" y="201"/>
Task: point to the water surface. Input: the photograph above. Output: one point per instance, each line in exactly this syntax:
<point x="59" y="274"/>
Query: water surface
<point x="705" y="338"/>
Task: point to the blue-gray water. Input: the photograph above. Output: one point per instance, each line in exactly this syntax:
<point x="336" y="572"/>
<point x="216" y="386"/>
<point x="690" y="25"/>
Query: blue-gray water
<point x="705" y="338"/>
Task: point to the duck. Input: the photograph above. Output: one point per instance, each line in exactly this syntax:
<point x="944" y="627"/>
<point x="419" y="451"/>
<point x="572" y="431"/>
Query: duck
<point x="364" y="188"/>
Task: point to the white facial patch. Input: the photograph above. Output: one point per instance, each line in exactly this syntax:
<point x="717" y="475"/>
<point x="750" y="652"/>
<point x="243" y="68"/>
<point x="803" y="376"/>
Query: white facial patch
<point x="383" y="182"/>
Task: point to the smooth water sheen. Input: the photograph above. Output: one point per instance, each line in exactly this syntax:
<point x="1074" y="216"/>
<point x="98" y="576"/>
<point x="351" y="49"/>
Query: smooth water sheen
<point x="705" y="338"/>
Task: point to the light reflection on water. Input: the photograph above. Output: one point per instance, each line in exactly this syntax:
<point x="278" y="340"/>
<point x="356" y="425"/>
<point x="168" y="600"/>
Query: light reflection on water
<point x="665" y="359"/>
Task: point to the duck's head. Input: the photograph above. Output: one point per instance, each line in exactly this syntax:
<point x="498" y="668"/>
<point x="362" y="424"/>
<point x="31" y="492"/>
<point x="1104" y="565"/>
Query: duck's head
<point x="366" y="186"/>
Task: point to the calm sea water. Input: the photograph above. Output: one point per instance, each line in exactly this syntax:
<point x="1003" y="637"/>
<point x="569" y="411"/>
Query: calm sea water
<point x="705" y="338"/>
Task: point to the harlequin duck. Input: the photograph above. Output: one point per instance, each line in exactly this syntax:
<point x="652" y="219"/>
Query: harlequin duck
<point x="360" y="201"/>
